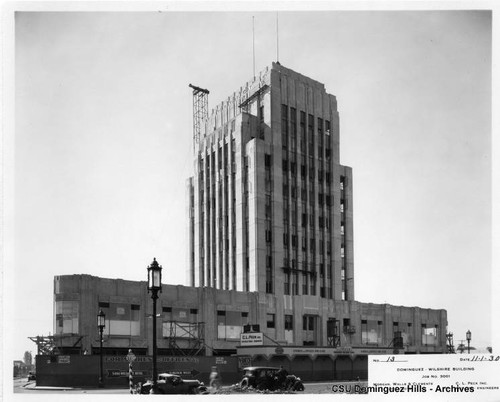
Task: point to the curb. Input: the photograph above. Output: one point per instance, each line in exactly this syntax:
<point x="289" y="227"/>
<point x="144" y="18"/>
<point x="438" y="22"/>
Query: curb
<point x="34" y="387"/>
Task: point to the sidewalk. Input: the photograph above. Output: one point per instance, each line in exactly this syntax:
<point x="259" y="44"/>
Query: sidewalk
<point x="33" y="386"/>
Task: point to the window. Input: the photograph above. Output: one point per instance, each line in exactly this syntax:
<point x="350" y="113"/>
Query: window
<point x="270" y="320"/>
<point x="268" y="236"/>
<point x="371" y="332"/>
<point x="267" y="160"/>
<point x="229" y="324"/>
<point x="122" y="319"/>
<point x="429" y="335"/>
<point x="295" y="282"/>
<point x="305" y="283"/>
<point x="193" y="311"/>
<point x="268" y="206"/>
<point x="269" y="274"/>
<point x="285" y="190"/>
<point x="284" y="112"/>
<point x="288" y="322"/>
<point x="284" y="126"/>
<point x="313" y="286"/>
<point x="66" y="317"/>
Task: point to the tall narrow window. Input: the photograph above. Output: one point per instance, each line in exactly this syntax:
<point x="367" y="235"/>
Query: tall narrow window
<point x="267" y="160"/>
<point x="270" y="321"/>
<point x="284" y="126"/>
<point x="269" y="274"/>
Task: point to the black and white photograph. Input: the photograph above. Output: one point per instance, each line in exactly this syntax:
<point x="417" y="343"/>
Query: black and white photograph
<point x="242" y="198"/>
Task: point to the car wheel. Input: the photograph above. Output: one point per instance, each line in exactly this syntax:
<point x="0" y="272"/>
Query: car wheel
<point x="244" y="383"/>
<point x="299" y="387"/>
<point x="262" y="386"/>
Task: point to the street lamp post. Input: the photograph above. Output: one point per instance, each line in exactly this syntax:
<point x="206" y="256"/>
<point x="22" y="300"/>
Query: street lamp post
<point x="101" y="323"/>
<point x="154" y="286"/>
<point x="468" y="335"/>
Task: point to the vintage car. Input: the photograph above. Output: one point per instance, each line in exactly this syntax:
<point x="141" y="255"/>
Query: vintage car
<point x="31" y="376"/>
<point x="269" y="378"/>
<point x="174" y="384"/>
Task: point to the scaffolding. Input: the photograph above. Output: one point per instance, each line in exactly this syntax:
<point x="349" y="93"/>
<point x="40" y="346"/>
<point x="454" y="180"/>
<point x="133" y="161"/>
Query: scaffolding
<point x="48" y="345"/>
<point x="186" y="338"/>
<point x="397" y="342"/>
<point x="200" y="111"/>
<point x="332" y="333"/>
<point x="449" y="344"/>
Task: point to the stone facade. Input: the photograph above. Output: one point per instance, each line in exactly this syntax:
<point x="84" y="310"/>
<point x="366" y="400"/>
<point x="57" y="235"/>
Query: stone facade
<point x="270" y="204"/>
<point x="219" y="316"/>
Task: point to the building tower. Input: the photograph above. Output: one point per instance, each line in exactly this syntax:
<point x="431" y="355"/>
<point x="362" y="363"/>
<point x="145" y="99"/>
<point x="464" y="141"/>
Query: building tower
<point x="270" y="248"/>
<point x="270" y="205"/>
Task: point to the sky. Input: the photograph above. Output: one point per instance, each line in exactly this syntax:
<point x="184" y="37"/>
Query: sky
<point x="102" y="146"/>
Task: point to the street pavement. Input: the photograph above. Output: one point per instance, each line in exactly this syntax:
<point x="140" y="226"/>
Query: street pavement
<point x="24" y="386"/>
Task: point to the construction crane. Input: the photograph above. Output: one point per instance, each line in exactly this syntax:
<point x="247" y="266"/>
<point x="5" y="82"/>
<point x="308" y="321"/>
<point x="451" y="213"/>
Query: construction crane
<point x="200" y="111"/>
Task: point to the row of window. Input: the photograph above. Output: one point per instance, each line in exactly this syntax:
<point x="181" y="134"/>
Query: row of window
<point x="124" y="319"/>
<point x="322" y="175"/>
<point x="292" y="119"/>
<point x="211" y="264"/>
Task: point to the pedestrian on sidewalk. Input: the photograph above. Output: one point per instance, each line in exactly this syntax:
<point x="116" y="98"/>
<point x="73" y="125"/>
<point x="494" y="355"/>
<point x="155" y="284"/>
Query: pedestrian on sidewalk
<point x="215" y="379"/>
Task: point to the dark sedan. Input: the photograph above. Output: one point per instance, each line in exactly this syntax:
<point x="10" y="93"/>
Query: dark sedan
<point x="270" y="378"/>
<point x="174" y="384"/>
<point x="257" y="376"/>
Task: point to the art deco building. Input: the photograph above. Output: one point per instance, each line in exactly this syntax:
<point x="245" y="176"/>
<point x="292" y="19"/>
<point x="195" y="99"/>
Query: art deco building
<point x="270" y="203"/>
<point x="270" y="248"/>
